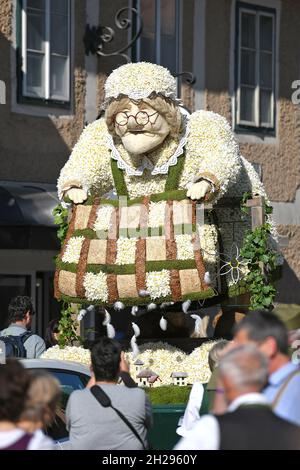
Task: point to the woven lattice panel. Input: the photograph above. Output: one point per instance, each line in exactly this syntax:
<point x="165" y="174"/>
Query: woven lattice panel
<point x="137" y="252"/>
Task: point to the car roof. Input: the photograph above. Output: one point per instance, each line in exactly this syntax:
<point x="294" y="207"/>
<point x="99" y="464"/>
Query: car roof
<point x="56" y="364"/>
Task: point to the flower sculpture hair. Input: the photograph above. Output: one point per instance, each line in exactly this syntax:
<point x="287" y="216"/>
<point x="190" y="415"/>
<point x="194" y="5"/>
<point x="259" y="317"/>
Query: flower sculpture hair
<point x="138" y="81"/>
<point x="164" y="106"/>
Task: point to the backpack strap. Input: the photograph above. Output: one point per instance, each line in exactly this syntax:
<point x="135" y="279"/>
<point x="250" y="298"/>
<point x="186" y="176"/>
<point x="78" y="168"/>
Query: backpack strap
<point x="105" y="401"/>
<point x="283" y="387"/>
<point x="24" y="336"/>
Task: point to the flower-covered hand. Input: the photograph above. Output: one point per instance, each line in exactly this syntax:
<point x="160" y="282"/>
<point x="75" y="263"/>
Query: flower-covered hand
<point x="77" y="195"/>
<point x="199" y="190"/>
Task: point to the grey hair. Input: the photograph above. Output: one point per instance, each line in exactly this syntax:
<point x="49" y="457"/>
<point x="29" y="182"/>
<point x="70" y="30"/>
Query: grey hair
<point x="245" y="366"/>
<point x="215" y="353"/>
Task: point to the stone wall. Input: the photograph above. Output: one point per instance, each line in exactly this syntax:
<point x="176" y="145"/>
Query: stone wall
<point x="34" y="148"/>
<point x="280" y="156"/>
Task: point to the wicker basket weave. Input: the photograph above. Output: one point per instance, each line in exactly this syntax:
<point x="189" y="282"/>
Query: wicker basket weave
<point x="155" y="249"/>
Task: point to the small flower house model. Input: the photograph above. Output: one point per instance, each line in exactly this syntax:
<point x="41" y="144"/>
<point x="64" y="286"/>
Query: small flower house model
<point x="147" y="377"/>
<point x="138" y="366"/>
<point x="179" y="378"/>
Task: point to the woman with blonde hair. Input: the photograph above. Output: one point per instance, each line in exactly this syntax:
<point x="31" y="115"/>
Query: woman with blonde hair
<point x="41" y="404"/>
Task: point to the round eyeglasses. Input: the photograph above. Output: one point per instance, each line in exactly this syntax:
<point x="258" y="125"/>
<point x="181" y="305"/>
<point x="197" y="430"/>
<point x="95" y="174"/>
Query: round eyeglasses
<point x="141" y="118"/>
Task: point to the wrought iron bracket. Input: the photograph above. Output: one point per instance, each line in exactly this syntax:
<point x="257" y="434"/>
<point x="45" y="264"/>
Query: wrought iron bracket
<point x="96" y="37"/>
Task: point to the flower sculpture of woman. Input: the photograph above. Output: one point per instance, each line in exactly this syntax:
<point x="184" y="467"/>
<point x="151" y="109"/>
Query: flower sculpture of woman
<point x="148" y="146"/>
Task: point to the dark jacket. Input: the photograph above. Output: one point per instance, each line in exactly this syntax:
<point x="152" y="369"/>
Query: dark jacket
<point x="256" y="427"/>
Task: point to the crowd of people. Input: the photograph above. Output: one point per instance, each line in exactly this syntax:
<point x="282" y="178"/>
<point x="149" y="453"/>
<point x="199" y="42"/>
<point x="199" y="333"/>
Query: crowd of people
<point x="253" y="395"/>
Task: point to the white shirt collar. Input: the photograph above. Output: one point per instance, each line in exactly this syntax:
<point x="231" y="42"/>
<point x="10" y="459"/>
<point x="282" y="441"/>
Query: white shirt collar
<point x="249" y="399"/>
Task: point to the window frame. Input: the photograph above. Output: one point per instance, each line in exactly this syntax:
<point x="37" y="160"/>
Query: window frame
<point x="48" y="101"/>
<point x="256" y="125"/>
<point x="136" y="50"/>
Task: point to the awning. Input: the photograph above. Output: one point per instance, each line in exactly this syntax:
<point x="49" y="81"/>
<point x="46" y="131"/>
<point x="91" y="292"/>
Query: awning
<point x="26" y="220"/>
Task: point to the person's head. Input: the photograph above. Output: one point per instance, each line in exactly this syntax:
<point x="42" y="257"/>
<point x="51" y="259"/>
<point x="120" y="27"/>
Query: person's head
<point x="105" y="359"/>
<point x="41" y="400"/>
<point x="20" y="310"/>
<point x="141" y="106"/>
<point x="143" y="125"/>
<point x="265" y="330"/>
<point x="52" y="333"/>
<point x="243" y="370"/>
<point x="14" y="384"/>
<point x="215" y="353"/>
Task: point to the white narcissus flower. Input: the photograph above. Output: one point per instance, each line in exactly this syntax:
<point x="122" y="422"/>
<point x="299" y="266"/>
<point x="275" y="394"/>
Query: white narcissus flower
<point x="164" y="359"/>
<point x="158" y="283"/>
<point x="69" y="353"/>
<point x="104" y="218"/>
<point x="185" y="249"/>
<point x="73" y="249"/>
<point x="161" y="357"/>
<point x="139" y="80"/>
<point x="126" y="248"/>
<point x="157" y="214"/>
<point x="96" y="286"/>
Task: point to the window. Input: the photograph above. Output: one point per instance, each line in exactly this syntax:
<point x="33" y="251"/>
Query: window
<point x="45" y="51"/>
<point x="255" y="68"/>
<point x="10" y="286"/>
<point x="2" y="92"/>
<point x="159" y="41"/>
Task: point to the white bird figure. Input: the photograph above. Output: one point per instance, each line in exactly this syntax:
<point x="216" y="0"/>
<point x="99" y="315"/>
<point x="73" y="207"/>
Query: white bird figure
<point x="143" y="293"/>
<point x="151" y="306"/>
<point x="166" y="304"/>
<point x="109" y="328"/>
<point x="134" y="310"/>
<point x="91" y="308"/>
<point x="119" y="305"/>
<point x="136" y="329"/>
<point x="198" y="322"/>
<point x="82" y="313"/>
<point x="111" y="333"/>
<point x="207" y="278"/>
<point x="134" y="346"/>
<point x="186" y="305"/>
<point x="163" y="323"/>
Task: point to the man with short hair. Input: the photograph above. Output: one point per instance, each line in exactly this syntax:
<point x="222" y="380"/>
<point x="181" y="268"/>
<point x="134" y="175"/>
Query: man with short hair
<point x="94" y="426"/>
<point x="249" y="423"/>
<point x="269" y="334"/>
<point x="20" y="312"/>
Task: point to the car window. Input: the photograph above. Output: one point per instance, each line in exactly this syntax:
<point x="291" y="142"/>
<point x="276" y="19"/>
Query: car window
<point x="69" y="382"/>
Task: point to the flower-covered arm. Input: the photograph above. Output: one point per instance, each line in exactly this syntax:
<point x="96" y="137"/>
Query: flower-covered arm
<point x="89" y="164"/>
<point x="212" y="152"/>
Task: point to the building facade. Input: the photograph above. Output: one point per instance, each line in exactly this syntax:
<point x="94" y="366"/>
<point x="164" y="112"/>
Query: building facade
<point x="244" y="58"/>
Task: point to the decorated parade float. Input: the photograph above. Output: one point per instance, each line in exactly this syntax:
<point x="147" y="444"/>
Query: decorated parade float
<point x="162" y="221"/>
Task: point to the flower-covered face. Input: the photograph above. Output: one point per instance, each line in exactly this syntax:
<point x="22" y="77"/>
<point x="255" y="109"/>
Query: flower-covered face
<point x="140" y="127"/>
